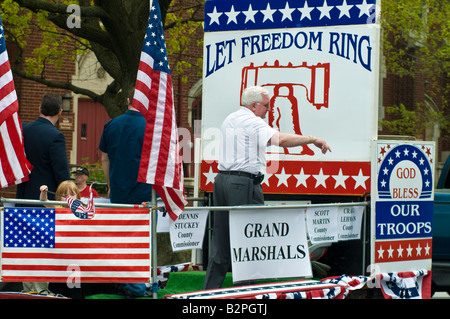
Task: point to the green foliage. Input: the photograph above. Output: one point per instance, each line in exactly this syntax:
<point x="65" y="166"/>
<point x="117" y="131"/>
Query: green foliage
<point x="95" y="171"/>
<point x="416" y="42"/>
<point x="422" y="25"/>
<point x="19" y="19"/>
<point x="405" y="122"/>
<point x="181" y="41"/>
<point x="412" y="122"/>
<point x="55" y="44"/>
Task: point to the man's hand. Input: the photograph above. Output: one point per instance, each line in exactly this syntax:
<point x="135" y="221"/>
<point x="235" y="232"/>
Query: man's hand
<point x="324" y="147"/>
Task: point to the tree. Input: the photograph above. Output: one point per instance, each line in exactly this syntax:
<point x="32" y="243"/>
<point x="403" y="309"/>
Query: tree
<point x="416" y="43"/>
<point x="114" y="30"/>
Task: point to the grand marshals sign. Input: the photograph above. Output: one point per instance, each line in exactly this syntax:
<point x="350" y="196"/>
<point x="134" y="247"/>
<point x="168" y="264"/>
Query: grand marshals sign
<point x="272" y="246"/>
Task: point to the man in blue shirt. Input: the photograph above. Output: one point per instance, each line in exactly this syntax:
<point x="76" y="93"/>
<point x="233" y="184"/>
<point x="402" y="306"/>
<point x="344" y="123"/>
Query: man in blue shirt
<point x="121" y="147"/>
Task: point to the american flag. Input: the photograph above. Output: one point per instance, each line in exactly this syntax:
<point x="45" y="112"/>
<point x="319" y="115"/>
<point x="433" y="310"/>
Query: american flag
<point x="406" y="285"/>
<point x="51" y="244"/>
<point x="14" y="166"/>
<point x="161" y="163"/>
<point x="81" y="211"/>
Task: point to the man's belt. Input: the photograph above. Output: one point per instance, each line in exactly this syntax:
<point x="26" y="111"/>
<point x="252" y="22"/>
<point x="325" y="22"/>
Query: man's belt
<point x="257" y="178"/>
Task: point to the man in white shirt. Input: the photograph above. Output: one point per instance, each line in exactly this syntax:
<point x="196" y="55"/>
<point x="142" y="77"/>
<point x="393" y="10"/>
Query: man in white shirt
<point x="242" y="163"/>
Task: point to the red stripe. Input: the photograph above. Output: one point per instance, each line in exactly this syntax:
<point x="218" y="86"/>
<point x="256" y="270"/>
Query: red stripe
<point x="82" y="268"/>
<point x="6" y="162"/>
<point x="6" y="167"/>
<point x="74" y="256"/>
<point x="104" y="245"/>
<point x="25" y="165"/>
<point x="117" y="211"/>
<point x="102" y="234"/>
<point x="165" y="143"/>
<point x="15" y="136"/>
<point x="149" y="129"/>
<point x="82" y="280"/>
<point x="94" y="222"/>
<point x="6" y="89"/>
<point x="145" y="155"/>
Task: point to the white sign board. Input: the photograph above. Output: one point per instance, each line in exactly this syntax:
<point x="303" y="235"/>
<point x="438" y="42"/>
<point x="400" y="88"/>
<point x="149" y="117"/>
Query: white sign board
<point x="272" y="246"/>
<point x="349" y="222"/>
<point x="402" y="206"/>
<point x="332" y="224"/>
<point x="321" y="68"/>
<point x="188" y="230"/>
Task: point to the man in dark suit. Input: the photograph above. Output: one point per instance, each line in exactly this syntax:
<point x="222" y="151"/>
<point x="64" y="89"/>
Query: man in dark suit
<point x="45" y="148"/>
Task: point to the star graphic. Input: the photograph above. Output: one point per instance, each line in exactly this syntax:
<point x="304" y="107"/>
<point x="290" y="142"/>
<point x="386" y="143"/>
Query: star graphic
<point x="344" y="9"/>
<point x="232" y="15"/>
<point x="418" y="250"/>
<point x="390" y="251"/>
<point x="380" y="253"/>
<point x="360" y="180"/>
<point x="406" y="152"/>
<point x="340" y="179"/>
<point x="210" y="176"/>
<point x="409" y="250"/>
<point x="268" y="13"/>
<point x="214" y="16"/>
<point x="301" y="178"/>
<point x="427" y="249"/>
<point x="282" y="177"/>
<point x="364" y="8"/>
<point x="287" y="12"/>
<point x="306" y="11"/>
<point x="325" y="10"/>
<point x="321" y="179"/>
<point x="250" y="14"/>
<point x="266" y="179"/>
<point x="400" y="251"/>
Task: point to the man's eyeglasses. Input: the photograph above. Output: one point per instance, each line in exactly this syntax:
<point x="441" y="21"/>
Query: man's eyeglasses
<point x="265" y="105"/>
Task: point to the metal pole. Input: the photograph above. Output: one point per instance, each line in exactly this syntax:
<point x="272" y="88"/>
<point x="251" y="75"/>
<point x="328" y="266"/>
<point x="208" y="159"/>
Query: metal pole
<point x="255" y="207"/>
<point x="154" y="261"/>
<point x="54" y="202"/>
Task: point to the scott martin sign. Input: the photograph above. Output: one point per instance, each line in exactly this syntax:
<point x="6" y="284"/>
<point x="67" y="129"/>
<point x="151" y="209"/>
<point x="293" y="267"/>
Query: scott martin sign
<point x="320" y="62"/>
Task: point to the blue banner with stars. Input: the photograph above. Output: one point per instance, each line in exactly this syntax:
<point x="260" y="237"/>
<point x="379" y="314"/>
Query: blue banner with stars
<point x="226" y="15"/>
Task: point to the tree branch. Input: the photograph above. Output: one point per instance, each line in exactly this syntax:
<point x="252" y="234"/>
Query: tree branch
<point x="59" y="85"/>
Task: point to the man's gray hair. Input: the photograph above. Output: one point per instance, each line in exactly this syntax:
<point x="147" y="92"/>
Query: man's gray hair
<point x="253" y="94"/>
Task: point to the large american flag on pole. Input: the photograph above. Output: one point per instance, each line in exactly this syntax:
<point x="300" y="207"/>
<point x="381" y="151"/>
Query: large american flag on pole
<point x="161" y="163"/>
<point x="53" y="245"/>
<point x="14" y="166"/>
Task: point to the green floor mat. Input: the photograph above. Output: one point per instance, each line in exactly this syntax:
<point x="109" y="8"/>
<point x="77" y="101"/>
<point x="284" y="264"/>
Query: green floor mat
<point x="188" y="281"/>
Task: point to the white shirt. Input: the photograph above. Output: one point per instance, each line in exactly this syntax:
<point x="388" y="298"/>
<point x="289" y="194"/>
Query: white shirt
<point x="244" y="142"/>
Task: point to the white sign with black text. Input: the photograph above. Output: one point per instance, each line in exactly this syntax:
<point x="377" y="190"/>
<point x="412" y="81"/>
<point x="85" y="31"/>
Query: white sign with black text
<point x="273" y="245"/>
<point x="332" y="224"/>
<point x="188" y="230"/>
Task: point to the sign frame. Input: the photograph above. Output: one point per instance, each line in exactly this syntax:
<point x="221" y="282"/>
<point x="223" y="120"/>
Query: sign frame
<point x="402" y="205"/>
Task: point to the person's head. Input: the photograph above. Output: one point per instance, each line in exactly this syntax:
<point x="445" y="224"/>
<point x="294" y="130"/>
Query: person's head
<point x="51" y="105"/>
<point x="130" y="98"/>
<point x="67" y="188"/>
<point x="81" y="176"/>
<point x="257" y="100"/>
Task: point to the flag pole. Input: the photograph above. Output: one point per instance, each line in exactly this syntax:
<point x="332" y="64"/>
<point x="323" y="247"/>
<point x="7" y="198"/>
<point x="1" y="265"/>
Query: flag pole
<point x="154" y="217"/>
<point x="154" y="261"/>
